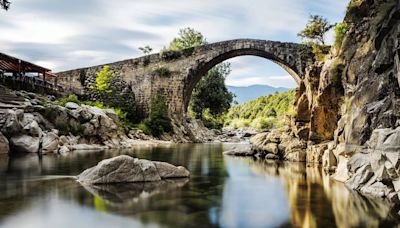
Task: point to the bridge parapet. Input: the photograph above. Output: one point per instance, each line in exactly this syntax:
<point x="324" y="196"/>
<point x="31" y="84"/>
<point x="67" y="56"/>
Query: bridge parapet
<point x="188" y="67"/>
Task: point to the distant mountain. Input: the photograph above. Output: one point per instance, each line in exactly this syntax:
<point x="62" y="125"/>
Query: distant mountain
<point x="248" y="93"/>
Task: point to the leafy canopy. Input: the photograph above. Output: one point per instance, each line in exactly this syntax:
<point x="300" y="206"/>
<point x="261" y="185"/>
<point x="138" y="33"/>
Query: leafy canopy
<point x="5" y="4"/>
<point x="158" y="121"/>
<point x="211" y="92"/>
<point x="146" y="49"/>
<point x="104" y="79"/>
<point x="315" y="30"/>
<point x="188" y="38"/>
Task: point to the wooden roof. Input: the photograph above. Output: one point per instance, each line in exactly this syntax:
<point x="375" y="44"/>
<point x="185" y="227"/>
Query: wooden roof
<point x="13" y="64"/>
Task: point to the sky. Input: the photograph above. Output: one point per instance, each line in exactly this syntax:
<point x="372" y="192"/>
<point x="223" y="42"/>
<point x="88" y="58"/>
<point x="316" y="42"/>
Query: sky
<point x="69" y="34"/>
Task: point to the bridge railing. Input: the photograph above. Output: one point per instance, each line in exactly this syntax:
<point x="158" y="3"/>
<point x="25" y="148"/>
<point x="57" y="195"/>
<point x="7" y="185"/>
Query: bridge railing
<point x="31" y="84"/>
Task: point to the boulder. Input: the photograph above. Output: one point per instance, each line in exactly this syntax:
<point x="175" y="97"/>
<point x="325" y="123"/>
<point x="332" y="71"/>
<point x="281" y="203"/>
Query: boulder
<point x="316" y="152"/>
<point x="25" y="144"/>
<point x="49" y="142"/>
<point x="72" y="106"/>
<point x="13" y="125"/>
<point x="329" y="161"/>
<point x="33" y="129"/>
<point x="125" y="169"/>
<point x="4" y="147"/>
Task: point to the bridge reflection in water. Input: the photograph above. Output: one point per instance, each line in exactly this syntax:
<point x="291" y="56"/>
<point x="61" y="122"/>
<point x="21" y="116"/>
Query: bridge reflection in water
<point x="222" y="191"/>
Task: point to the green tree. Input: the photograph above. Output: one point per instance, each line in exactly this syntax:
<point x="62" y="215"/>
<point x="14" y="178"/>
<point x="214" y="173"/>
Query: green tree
<point x="146" y="49"/>
<point x="104" y="79"/>
<point x="211" y="92"/>
<point x="315" y="30"/>
<point x="158" y="121"/>
<point x="188" y="38"/>
<point x="5" y="4"/>
<point x="114" y="92"/>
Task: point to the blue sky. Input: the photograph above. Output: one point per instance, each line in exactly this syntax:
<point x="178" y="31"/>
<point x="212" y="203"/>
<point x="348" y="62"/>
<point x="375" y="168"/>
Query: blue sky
<point x="66" y="34"/>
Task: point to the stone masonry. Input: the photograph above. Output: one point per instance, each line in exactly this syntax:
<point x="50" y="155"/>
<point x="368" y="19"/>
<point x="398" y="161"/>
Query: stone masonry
<point x="187" y="68"/>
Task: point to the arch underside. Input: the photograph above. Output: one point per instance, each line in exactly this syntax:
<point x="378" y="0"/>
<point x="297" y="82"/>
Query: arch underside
<point x="201" y="69"/>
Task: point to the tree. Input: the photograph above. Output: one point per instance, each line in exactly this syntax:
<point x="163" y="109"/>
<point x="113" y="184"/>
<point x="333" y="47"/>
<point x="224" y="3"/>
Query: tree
<point x="211" y="93"/>
<point x="5" y="4"/>
<point x="146" y="49"/>
<point x="188" y="38"/>
<point x="104" y="79"/>
<point x="158" y="121"/>
<point x="316" y="29"/>
<point x="114" y="92"/>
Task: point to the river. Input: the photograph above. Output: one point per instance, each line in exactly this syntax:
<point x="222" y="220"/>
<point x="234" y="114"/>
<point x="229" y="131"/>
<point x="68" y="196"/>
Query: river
<point x="221" y="192"/>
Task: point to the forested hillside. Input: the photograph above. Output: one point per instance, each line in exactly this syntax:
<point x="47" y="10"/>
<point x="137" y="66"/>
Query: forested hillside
<point x="262" y="113"/>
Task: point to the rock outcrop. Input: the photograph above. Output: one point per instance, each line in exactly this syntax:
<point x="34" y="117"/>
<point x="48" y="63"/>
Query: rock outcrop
<point x="43" y="126"/>
<point x="125" y="169"/>
<point x="349" y="119"/>
<point x="280" y="145"/>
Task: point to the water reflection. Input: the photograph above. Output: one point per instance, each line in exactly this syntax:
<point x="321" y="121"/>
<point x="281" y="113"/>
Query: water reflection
<point x="222" y="192"/>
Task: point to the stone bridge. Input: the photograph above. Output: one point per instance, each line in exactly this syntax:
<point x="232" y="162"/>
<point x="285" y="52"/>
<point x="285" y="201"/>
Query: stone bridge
<point x="186" y="68"/>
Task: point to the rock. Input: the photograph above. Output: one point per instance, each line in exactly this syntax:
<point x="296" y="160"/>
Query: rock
<point x="4" y="146"/>
<point x="25" y="144"/>
<point x="271" y="148"/>
<point x="13" y="125"/>
<point x="272" y="157"/>
<point x="71" y="106"/>
<point x="49" y="142"/>
<point x="237" y="152"/>
<point x="315" y="152"/>
<point x="125" y="169"/>
<point x="167" y="170"/>
<point x="87" y="147"/>
<point x="63" y="150"/>
<point x="329" y="161"/>
<point x="33" y="129"/>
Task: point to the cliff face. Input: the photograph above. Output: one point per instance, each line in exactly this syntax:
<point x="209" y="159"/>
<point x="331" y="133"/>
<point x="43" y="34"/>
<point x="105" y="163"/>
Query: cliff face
<point x="367" y="137"/>
<point x="348" y="107"/>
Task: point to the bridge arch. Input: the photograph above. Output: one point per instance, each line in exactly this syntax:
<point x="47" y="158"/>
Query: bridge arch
<point x="200" y="69"/>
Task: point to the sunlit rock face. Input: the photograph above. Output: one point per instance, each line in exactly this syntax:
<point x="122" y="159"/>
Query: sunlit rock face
<point x="125" y="169"/>
<point x="367" y="139"/>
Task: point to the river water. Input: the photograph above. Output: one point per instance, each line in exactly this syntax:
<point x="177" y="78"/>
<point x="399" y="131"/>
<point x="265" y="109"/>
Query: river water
<point x="221" y="192"/>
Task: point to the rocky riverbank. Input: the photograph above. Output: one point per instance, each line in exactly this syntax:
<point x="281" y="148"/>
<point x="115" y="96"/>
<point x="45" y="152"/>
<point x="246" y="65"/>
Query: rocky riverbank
<point x="31" y="123"/>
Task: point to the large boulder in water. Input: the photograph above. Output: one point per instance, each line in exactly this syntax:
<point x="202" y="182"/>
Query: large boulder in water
<point x="125" y="169"/>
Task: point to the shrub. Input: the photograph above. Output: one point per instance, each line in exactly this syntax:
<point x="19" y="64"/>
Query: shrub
<point x="341" y="30"/>
<point x="168" y="54"/>
<point x="162" y="71"/>
<point x="114" y="92"/>
<point x="70" y="98"/>
<point x="262" y="123"/>
<point x="158" y="121"/>
<point x="104" y="79"/>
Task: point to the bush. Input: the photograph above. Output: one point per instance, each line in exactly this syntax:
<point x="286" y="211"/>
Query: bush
<point x="158" y="121"/>
<point x="71" y="98"/>
<point x="162" y="71"/>
<point x="262" y="123"/>
<point x="112" y="91"/>
<point x="168" y="54"/>
<point x="341" y="30"/>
